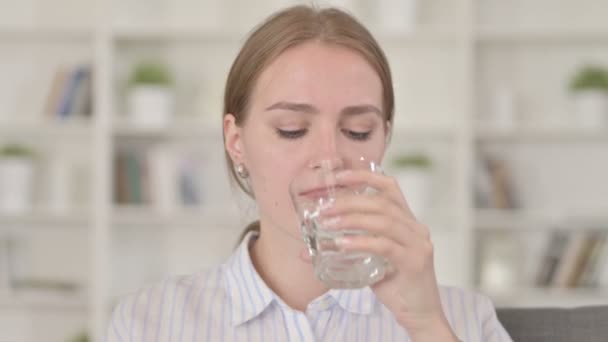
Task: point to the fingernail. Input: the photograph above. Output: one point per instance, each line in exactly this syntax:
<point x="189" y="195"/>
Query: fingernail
<point x="342" y="241"/>
<point x="331" y="222"/>
<point x="325" y="205"/>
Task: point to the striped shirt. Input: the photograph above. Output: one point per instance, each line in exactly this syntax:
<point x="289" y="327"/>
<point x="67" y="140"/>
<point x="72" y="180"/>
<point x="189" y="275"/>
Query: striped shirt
<point x="232" y="303"/>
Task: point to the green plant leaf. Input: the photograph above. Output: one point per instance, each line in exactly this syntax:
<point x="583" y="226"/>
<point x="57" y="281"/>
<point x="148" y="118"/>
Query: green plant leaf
<point x="590" y="77"/>
<point x="152" y="73"/>
<point x="412" y="160"/>
<point x="14" y="150"/>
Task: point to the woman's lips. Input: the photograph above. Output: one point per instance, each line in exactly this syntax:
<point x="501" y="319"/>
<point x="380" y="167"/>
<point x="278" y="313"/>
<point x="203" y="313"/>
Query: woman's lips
<point x="320" y="192"/>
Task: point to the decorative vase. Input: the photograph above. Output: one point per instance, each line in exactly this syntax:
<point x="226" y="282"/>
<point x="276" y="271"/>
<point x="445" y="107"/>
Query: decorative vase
<point x="591" y="108"/>
<point x="150" y="106"/>
<point x="415" y="185"/>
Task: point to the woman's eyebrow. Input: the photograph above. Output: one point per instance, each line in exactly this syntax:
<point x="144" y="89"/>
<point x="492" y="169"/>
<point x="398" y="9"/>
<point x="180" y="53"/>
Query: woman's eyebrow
<point x="308" y="108"/>
<point x="295" y="107"/>
<point x="360" y="109"/>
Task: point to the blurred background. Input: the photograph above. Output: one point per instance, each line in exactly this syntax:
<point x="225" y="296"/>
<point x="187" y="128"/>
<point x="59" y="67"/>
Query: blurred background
<point x="111" y="158"/>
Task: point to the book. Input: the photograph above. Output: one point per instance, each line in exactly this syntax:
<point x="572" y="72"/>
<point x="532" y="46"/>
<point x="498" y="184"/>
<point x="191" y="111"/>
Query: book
<point x="589" y="278"/>
<point x="51" y="106"/>
<point x="587" y="260"/>
<point x="134" y="178"/>
<point x="188" y="180"/>
<point x="494" y="186"/>
<point x="67" y="97"/>
<point x="483" y="185"/>
<point x="503" y="196"/>
<point x="121" y="193"/>
<point x="601" y="274"/>
<point x="572" y="259"/>
<point x="162" y="173"/>
<point x="552" y="256"/>
<point x="81" y="101"/>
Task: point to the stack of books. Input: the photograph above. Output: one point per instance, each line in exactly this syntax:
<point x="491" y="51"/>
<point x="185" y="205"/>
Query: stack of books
<point x="71" y="93"/>
<point x="159" y="177"/>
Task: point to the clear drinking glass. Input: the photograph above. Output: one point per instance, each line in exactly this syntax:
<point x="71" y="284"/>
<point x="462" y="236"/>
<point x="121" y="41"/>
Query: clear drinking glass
<point x="317" y="187"/>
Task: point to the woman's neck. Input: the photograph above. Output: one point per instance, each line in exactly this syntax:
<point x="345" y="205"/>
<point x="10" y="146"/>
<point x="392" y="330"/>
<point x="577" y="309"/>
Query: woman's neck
<point x="276" y="258"/>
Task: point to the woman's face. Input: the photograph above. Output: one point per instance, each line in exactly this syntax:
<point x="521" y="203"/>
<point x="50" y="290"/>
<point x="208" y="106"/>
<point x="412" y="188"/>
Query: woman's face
<point x="315" y="101"/>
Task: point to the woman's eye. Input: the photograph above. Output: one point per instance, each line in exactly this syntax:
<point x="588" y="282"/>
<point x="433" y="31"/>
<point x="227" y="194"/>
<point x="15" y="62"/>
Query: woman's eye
<point x="357" y="135"/>
<point x="291" y="134"/>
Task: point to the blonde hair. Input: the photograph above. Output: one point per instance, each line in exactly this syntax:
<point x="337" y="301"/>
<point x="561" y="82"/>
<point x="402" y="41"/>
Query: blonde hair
<point x="283" y="30"/>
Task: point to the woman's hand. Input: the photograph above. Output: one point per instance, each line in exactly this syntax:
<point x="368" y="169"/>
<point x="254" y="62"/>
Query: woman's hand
<point x="409" y="289"/>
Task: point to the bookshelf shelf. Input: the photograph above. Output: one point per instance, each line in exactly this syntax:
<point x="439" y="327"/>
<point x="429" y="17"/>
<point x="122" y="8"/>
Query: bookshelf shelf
<point x="180" y="34"/>
<point x="566" y="35"/>
<point x="41" y="301"/>
<point x="81" y="130"/>
<point x="201" y="35"/>
<point x="535" y="220"/>
<point x="176" y="130"/>
<point x="540" y="297"/>
<point x="46" y="34"/>
<point x="419" y="38"/>
<point x="75" y="219"/>
<point x="132" y="215"/>
<point x="548" y="133"/>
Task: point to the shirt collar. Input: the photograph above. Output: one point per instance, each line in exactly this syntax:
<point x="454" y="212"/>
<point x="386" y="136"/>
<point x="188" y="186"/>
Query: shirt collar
<point x="358" y="301"/>
<point x="249" y="294"/>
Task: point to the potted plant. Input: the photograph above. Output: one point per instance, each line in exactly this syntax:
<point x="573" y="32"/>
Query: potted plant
<point x="16" y="179"/>
<point x="589" y="88"/>
<point x="150" y="97"/>
<point x="80" y="337"/>
<point x="412" y="171"/>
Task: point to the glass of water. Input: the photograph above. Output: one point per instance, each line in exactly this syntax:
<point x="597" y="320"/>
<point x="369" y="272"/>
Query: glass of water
<point x="311" y="190"/>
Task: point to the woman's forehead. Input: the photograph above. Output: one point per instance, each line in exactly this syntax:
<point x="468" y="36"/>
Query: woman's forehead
<point x="319" y="74"/>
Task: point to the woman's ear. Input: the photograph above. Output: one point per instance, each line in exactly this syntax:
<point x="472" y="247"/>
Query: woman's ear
<point x="232" y="139"/>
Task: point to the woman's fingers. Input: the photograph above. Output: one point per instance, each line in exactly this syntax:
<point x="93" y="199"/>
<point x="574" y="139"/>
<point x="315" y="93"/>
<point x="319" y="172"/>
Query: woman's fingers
<point x="414" y="259"/>
<point x="373" y="224"/>
<point x="382" y="183"/>
<point x="369" y="205"/>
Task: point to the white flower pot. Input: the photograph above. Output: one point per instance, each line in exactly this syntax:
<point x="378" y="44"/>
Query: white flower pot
<point x="591" y="109"/>
<point x="150" y="107"/>
<point x="397" y="15"/>
<point x="16" y="185"/>
<point x="415" y="183"/>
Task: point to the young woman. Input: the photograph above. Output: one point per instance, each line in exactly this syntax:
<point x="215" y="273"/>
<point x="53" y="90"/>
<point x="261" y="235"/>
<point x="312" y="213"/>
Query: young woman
<point x="309" y="85"/>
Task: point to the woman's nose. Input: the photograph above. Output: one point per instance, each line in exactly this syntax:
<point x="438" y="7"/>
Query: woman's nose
<point x="328" y="153"/>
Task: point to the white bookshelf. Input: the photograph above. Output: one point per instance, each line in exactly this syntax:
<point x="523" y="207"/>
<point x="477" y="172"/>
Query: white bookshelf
<point x="444" y="73"/>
